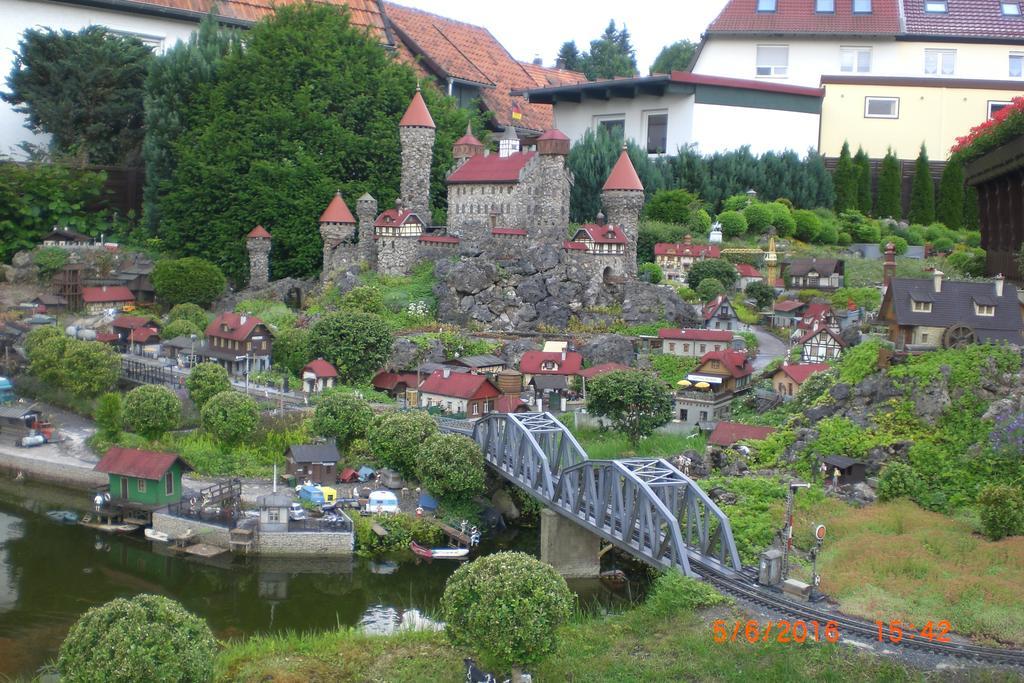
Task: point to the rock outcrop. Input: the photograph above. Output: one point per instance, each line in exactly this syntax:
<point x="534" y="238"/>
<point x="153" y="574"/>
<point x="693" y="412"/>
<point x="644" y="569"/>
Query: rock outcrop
<point x="608" y="348"/>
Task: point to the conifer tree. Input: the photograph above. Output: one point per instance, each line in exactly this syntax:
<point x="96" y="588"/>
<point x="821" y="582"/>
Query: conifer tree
<point x="889" y="200"/>
<point x="922" y="192"/>
<point x="951" y="194"/>
<point x="862" y="164"/>
<point x="569" y="56"/>
<point x="845" y="180"/>
<point x="972" y="215"/>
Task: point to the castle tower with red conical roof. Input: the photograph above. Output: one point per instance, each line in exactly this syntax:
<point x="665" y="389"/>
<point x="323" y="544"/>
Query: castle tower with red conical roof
<point x="416" y="132"/>
<point x="257" y="243"/>
<point x="337" y="229"/>
<point x="623" y="199"/>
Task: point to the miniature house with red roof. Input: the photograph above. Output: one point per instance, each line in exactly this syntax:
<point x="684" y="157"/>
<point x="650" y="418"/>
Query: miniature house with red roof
<point x="317" y="376"/>
<point x="239" y="342"/>
<point x="144" y="478"/>
<point x="675" y="259"/>
<point x="787" y="380"/>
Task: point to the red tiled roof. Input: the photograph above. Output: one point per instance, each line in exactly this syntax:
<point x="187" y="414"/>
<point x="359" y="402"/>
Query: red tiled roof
<point x="963" y="18"/>
<point x="362" y="13"/>
<point x="417" y="115"/>
<point x="574" y="245"/>
<point x="237" y="330"/>
<point x="259" y="232"/>
<point x="393" y="217"/>
<point x="130" y="462"/>
<point x="729" y="433"/>
<point x="459" y="50"/>
<point x="811" y="333"/>
<point x="320" y="368"/>
<point x="553" y="134"/>
<point x="491" y="169"/>
<point x="107" y="337"/>
<point x="623" y="175"/>
<point x="815" y="313"/>
<point x="601" y="234"/>
<point x="389" y="380"/>
<point x="469" y="138"/>
<point x="788" y="306"/>
<point x="141" y="335"/>
<point x="107" y="294"/>
<point x="508" y="403"/>
<point x="800" y="372"/>
<point x="736" y="362"/>
<point x="459" y="385"/>
<point x="547" y="76"/>
<point x="532" y="361"/>
<point x="507" y="231"/>
<point x="799" y="17"/>
<point x="130" y="322"/>
<point x="337" y="211"/>
<point x="439" y="239"/>
<point x="680" y="249"/>
<point x="747" y="270"/>
<point x="603" y="368"/>
<point x="695" y="335"/>
<point x="711" y="307"/>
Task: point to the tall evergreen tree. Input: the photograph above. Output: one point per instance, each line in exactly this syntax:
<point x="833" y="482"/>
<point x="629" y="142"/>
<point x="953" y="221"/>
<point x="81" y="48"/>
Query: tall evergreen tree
<point x="817" y="188"/>
<point x="889" y="200"/>
<point x="174" y="79"/>
<point x="569" y="56"/>
<point x="972" y="213"/>
<point x="922" y="192"/>
<point x="610" y="55"/>
<point x="950" y="210"/>
<point x="862" y="165"/>
<point x="674" y="57"/>
<point x="84" y="89"/>
<point x="845" y="178"/>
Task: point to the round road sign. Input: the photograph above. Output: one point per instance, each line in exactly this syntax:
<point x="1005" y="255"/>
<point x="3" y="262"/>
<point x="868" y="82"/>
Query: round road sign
<point x="819" y="532"/>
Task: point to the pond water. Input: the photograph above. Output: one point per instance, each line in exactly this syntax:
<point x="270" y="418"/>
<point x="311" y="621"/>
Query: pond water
<point x="51" y="573"/>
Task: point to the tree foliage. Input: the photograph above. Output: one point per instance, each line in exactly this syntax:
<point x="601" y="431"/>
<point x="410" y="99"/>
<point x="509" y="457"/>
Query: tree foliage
<point x="569" y="57"/>
<point x="889" y="199"/>
<point x="922" y="191"/>
<point x="759" y="217"/>
<point x="310" y="105"/>
<point x="364" y="299"/>
<point x="230" y="416"/>
<point x="672" y="206"/>
<point x="49" y="260"/>
<point x="84" y="89"/>
<point x="152" y="411"/>
<point x="451" y="467"/>
<point x="341" y="416"/>
<point x="146" y="638"/>
<point x="734" y="224"/>
<point x="357" y="344"/>
<point x="188" y="280"/>
<point x="396" y="439"/>
<point x="635" y="402"/>
<point x="109" y="415"/>
<point x="509" y="606"/>
<point x="1002" y="511"/>
<point x="190" y="312"/>
<point x="709" y="288"/>
<point x="291" y="349"/>
<point x="674" y="57"/>
<point x="762" y="294"/>
<point x="845" y="178"/>
<point x="205" y="381"/>
<point x="89" y="367"/>
<point x="862" y="166"/>
<point x="719" y="269"/>
<point x="650" y="272"/>
<point x="181" y="328"/>
<point x="610" y="55"/>
<point x="951" y="194"/>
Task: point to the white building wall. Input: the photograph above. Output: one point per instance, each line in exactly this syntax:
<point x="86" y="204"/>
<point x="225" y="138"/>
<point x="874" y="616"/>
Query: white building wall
<point x="719" y="129"/>
<point x="574" y="119"/>
<point x="19" y="15"/>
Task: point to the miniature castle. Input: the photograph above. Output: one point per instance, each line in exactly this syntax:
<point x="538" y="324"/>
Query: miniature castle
<point x="499" y="207"/>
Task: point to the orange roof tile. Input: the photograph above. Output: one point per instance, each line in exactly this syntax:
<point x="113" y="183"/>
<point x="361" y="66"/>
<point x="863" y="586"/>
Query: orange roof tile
<point x="470" y="53"/>
<point x="337" y="211"/>
<point x="548" y="76"/>
<point x="623" y="175"/>
<point x="417" y="114"/>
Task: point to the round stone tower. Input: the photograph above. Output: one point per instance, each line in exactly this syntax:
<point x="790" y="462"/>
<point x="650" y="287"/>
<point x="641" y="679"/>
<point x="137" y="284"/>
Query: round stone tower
<point x="554" y="182"/>
<point x="623" y="199"/>
<point x="337" y="229"/>
<point x="257" y="243"/>
<point x="366" y="209"/>
<point x="416" y="131"/>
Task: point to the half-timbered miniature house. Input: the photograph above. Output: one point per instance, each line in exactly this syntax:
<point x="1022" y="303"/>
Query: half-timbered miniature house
<point x="820" y="345"/>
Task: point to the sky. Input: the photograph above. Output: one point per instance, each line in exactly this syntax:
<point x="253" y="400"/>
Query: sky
<point x="529" y="28"/>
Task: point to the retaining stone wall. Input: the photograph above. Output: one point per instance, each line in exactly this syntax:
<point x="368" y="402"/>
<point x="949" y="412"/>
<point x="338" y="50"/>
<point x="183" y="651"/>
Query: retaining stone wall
<point x="179" y="526"/>
<point x="305" y="543"/>
<point x="55" y="473"/>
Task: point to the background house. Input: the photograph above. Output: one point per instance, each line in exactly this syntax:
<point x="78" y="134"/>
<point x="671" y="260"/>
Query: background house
<point x="317" y="462"/>
<point x="143" y="477"/>
<point x="815" y="273"/>
<point x="317" y="376"/>
<point x="239" y="342"/>
<point x="693" y="343"/>
<point x="99" y="299"/>
<point x="719" y="314"/>
<point x="675" y="259"/>
<point x="819" y="345"/>
<point x="787" y="380"/>
<point x="459" y="392"/>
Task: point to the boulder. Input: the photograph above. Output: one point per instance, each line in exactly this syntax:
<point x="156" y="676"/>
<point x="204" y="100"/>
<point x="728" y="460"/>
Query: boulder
<point x="22" y="259"/>
<point x="472" y="276"/>
<point x="513" y="351"/>
<point x="504" y="504"/>
<point x="407" y="354"/>
<point x="608" y="348"/>
<point x="839" y="392"/>
<point x="645" y="303"/>
<point x="532" y="289"/>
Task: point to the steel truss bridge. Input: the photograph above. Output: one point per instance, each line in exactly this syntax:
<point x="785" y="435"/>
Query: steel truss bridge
<point x="644" y="506"/>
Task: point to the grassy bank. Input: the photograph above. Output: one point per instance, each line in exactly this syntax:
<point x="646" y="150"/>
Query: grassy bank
<point x="663" y="640"/>
<point x="609" y="445"/>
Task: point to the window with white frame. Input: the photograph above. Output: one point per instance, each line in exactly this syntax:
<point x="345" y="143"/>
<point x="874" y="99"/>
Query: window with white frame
<point x="881" y="107"/>
<point x="984" y="309"/>
<point x="155" y="42"/>
<point x="657" y="131"/>
<point x="862" y="6"/>
<point x="773" y="60"/>
<point x="766" y="5"/>
<point x="939" y="62"/>
<point x="995" y="106"/>
<point x="935" y="6"/>
<point x="825" y="6"/>
<point x="1016" y="64"/>
<point x="855" y="60"/>
<point x="613" y="123"/>
<point x="1011" y="9"/>
<point x="921" y="306"/>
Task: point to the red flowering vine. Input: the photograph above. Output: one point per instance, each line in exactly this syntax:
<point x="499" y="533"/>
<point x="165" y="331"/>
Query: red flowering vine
<point x="1004" y="124"/>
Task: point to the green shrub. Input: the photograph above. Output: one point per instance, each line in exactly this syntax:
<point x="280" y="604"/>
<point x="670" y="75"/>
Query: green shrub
<point x="341" y="416"/>
<point x="291" y="349"/>
<point x="188" y="280"/>
<point x="897" y="480"/>
<point x="734" y="224"/>
<point x="843" y="239"/>
<point x="862" y="229"/>
<point x="859" y="363"/>
<point x="650" y="272"/>
<point x="719" y="269"/>
<point x="736" y="202"/>
<point x="507" y="606"/>
<point x="782" y="218"/>
<point x="190" y="312"/>
<point x="230" y="416"/>
<point x="709" y="288"/>
<point x="943" y="245"/>
<point x="401" y="530"/>
<point x="205" y="381"/>
<point x="396" y="439"/>
<point x="808" y="225"/>
<point x="152" y="411"/>
<point x="365" y="300"/>
<point x="356" y="343"/>
<point x="898" y="243"/>
<point x="451" y="467"/>
<point x="673" y="593"/>
<point x="109" y="416"/>
<point x="182" y="328"/>
<point x="671" y="206"/>
<point x="1002" y="511"/>
<point x="49" y="260"/>
<point x="146" y="638"/>
<point x="687" y="294"/>
<point x="761" y="293"/>
<point x="759" y="218"/>
<point x="672" y="368"/>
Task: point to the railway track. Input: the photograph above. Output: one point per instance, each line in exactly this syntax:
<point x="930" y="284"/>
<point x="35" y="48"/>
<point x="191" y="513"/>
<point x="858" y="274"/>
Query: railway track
<point x="851" y="627"/>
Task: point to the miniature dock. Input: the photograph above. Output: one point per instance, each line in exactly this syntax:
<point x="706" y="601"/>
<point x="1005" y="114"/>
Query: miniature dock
<point x="455" y="536"/>
<point x="204" y="550"/>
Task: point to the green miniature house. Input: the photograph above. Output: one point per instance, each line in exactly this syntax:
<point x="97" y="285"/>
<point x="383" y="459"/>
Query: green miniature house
<point x="143" y="477"/>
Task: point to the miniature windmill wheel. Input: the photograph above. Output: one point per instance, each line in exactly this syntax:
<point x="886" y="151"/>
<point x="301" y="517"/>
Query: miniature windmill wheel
<point x="958" y="335"/>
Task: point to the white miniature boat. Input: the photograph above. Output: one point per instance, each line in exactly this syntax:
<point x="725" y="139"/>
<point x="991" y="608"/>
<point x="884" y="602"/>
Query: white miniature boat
<point x="438" y="553"/>
<point x="159" y="536"/>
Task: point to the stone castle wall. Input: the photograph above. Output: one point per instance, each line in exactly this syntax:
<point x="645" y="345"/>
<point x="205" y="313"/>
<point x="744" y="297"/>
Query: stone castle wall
<point x="417" y="153"/>
<point x="396" y="255"/>
<point x="622" y="208"/>
<point x="259" y="262"/>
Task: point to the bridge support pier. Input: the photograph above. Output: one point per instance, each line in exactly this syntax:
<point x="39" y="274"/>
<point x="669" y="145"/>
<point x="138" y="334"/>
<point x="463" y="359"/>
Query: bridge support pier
<point x="573" y="551"/>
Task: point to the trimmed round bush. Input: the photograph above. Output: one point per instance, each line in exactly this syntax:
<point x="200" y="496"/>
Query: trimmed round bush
<point x="734" y="224"/>
<point x="709" y="288"/>
<point x="650" y="272"/>
<point x="451" y="466"/>
<point x="230" y="416"/>
<point x="898" y="243"/>
<point x="190" y="312"/>
<point x="181" y="328"/>
<point x="943" y="245"/>
<point x="152" y="411"/>
<point x="808" y="225"/>
<point x="364" y="299"/>
<point x="508" y="607"/>
<point x="759" y="217"/>
<point x="782" y="218"/>
<point x="1002" y="511"/>
<point x="897" y="480"/>
<point x="397" y="438"/>
<point x="146" y="638"/>
<point x="341" y="416"/>
<point x="205" y="381"/>
<point x="844" y="239"/>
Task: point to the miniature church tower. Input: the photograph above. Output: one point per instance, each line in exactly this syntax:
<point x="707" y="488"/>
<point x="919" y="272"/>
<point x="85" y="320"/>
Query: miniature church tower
<point x="416" y="131"/>
<point x="623" y="199"/>
<point x="508" y="143"/>
<point x="337" y="227"/>
<point x="257" y="243"/>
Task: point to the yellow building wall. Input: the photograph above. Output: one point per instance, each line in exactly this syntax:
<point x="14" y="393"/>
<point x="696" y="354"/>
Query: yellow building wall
<point x="933" y="115"/>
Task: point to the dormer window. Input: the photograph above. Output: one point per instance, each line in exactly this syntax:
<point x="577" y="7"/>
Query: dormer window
<point x="935" y="6"/>
<point x="715" y="365"/>
<point x="1011" y="9"/>
<point x="825" y="6"/>
<point x="984" y="310"/>
<point x="766" y="5"/>
<point x="921" y="306"/>
<point x="549" y="365"/>
<point x="862" y="6"/>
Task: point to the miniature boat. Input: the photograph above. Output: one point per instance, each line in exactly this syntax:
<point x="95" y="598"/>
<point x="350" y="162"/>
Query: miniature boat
<point x="614" y="577"/>
<point x="111" y="528"/>
<point x="154" y="535"/>
<point x="438" y="553"/>
<point x="63" y="516"/>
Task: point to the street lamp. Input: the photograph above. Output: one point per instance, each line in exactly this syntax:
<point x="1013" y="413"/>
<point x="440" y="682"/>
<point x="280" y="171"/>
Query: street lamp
<point x="192" y="355"/>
